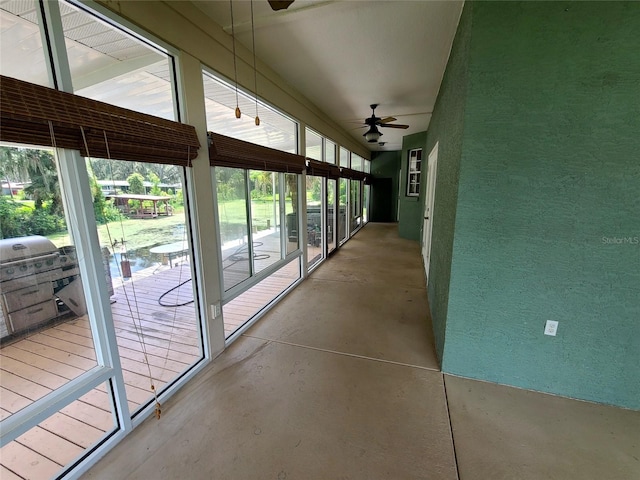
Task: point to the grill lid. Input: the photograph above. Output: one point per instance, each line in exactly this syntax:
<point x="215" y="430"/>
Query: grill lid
<point x="20" y="248"/>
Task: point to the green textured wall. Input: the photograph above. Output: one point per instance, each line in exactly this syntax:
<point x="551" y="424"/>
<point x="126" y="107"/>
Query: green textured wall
<point x="387" y="165"/>
<point x="446" y="129"/>
<point x="548" y="217"/>
<point x="410" y="211"/>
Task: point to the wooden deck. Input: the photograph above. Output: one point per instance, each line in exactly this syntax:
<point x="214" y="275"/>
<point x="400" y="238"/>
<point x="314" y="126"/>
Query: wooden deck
<point x="42" y="361"/>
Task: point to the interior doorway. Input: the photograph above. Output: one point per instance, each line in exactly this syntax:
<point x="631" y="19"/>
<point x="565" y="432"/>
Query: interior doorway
<point x="429" y="199"/>
<point x="382" y="200"/>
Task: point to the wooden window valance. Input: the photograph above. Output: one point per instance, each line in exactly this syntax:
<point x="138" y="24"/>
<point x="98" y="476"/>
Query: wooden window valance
<point x="37" y="115"/>
<point x="230" y="152"/>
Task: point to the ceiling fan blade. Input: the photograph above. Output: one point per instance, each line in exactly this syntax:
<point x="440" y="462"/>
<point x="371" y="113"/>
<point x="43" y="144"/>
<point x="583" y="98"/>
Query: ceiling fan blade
<point x="280" y="5"/>
<point x="393" y="125"/>
<point x="387" y="120"/>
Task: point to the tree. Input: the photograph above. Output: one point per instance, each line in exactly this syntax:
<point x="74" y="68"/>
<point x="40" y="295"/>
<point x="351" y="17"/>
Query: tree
<point x="136" y="184"/>
<point x="44" y="188"/>
<point x="155" y="182"/>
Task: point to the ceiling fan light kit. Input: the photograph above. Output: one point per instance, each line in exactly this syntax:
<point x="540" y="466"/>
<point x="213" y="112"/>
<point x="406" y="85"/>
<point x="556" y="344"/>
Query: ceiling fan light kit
<point x="373" y="134"/>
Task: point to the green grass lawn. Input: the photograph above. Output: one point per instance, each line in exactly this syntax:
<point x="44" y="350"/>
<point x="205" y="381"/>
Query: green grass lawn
<point x="138" y="233"/>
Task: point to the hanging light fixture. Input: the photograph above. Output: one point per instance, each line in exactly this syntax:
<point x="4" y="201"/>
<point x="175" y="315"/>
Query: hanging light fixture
<point x="255" y="72"/>
<point x="373" y="134"/>
<point x="235" y="66"/>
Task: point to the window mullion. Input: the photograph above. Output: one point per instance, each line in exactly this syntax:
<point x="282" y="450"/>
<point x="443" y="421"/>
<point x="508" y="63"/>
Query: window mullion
<point x="283" y="218"/>
<point x="53" y="35"/>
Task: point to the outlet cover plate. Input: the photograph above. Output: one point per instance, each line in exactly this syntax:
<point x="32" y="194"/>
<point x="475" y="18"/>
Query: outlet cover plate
<point x="551" y="328"/>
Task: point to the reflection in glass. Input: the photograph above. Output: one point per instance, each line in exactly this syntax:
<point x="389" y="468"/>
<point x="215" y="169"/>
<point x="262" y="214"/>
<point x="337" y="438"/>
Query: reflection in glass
<point x="291" y="211"/>
<point x="315" y="220"/>
<point x="46" y="336"/>
<point x="110" y="66"/>
<point x="314" y="145"/>
<point x="231" y="192"/>
<point x="275" y="130"/>
<point x="265" y="218"/>
<point x="21" y="52"/>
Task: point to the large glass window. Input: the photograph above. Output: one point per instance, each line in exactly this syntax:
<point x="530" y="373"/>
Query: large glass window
<point x="331" y="214"/>
<point x="356" y="162"/>
<point x="231" y="190"/>
<point x="329" y="151"/>
<point x="342" y="209"/>
<point x="144" y="237"/>
<point x="40" y="283"/>
<point x="355" y="205"/>
<point x="315" y="220"/>
<point x="275" y="131"/>
<point x="21" y="52"/>
<point x="313" y="145"/>
<point x="51" y="311"/>
<point x="265" y="218"/>
<point x="344" y="158"/>
<point x="291" y="211"/>
<point x="46" y="333"/>
<point x="108" y="65"/>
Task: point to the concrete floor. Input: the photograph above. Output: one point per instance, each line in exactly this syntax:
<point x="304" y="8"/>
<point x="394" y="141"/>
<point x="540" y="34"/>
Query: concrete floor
<point x="340" y="381"/>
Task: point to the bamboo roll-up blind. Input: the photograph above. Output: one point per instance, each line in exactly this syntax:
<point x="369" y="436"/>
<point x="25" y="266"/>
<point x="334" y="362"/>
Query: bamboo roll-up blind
<point x="352" y="174"/>
<point x="230" y="152"/>
<point x="318" y="169"/>
<point x="29" y="113"/>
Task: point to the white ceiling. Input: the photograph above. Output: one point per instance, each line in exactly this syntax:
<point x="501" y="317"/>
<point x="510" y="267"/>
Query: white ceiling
<point x="345" y="55"/>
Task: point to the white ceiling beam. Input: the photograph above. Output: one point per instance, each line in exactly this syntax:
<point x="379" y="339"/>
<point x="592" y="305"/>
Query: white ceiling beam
<point x="114" y="70"/>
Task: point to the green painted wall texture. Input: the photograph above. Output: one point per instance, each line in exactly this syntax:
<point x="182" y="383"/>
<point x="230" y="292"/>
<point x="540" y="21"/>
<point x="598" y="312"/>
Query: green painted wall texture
<point x="410" y="211"/>
<point x="547" y="219"/>
<point x="446" y="129"/>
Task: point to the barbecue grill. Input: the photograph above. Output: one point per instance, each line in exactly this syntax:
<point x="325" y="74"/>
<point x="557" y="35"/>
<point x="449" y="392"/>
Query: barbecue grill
<point x="32" y="269"/>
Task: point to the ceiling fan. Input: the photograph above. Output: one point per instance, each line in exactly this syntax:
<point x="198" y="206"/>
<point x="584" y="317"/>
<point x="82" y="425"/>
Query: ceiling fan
<point x="373" y="134"/>
<point x="280" y="5"/>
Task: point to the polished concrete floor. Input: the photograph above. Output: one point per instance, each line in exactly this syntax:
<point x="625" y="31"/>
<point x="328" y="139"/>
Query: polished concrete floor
<point x="340" y="381"/>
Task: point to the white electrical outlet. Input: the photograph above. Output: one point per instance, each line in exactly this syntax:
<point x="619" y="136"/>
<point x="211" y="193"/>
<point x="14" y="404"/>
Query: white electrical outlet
<point x="551" y="328"/>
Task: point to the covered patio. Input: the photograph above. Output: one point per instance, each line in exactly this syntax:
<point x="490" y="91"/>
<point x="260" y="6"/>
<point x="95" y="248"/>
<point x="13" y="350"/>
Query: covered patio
<point x="142" y="206"/>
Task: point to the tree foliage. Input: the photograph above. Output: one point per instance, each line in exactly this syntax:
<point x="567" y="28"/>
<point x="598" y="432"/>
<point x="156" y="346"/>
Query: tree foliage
<point x="136" y="184"/>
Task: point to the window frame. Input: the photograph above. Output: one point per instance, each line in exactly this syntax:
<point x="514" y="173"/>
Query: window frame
<point x="414" y="169"/>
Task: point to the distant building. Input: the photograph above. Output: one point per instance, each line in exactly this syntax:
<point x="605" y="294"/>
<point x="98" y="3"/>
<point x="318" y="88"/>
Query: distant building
<point x="111" y="187"/>
<point x="12" y="188"/>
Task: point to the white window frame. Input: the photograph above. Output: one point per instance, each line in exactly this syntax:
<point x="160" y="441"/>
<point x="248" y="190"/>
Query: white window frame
<point x="414" y="167"/>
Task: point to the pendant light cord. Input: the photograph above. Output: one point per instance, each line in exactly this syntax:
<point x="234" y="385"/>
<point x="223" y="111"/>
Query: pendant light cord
<point x="255" y="72"/>
<point x="235" y="66"/>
